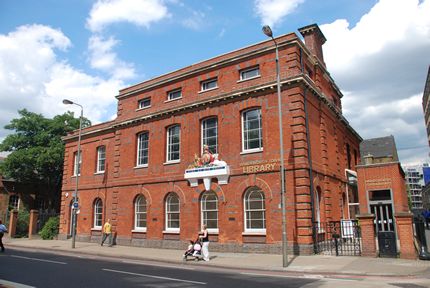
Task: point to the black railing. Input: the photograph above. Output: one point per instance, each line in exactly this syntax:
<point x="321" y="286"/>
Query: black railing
<point x="340" y="238"/>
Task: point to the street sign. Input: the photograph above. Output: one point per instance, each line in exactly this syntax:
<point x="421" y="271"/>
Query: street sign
<point x="75" y="205"/>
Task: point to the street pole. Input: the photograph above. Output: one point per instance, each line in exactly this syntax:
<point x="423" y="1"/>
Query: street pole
<point x="78" y="170"/>
<point x="268" y="32"/>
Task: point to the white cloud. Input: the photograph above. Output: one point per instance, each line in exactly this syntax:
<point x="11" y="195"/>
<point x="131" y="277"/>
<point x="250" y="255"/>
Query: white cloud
<point x="195" y="21"/>
<point x="381" y="65"/>
<point x="138" y="12"/>
<point x="271" y="12"/>
<point x="103" y="58"/>
<point x="38" y="81"/>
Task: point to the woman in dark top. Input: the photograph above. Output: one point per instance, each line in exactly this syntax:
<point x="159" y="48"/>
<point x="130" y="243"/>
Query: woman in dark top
<point x="204" y="237"/>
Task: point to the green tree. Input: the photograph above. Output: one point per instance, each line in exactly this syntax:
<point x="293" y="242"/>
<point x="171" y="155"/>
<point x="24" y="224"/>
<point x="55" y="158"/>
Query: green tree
<point x="37" y="151"/>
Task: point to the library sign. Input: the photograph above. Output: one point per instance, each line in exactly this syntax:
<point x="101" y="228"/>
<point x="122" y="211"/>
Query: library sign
<point x="259" y="166"/>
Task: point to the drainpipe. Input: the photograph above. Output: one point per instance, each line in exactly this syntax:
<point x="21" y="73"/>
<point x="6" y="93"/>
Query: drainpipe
<point x="311" y="182"/>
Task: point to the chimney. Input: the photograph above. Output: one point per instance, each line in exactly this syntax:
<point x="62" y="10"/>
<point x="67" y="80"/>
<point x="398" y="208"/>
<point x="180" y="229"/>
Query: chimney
<point x="314" y="39"/>
<point x="368" y="159"/>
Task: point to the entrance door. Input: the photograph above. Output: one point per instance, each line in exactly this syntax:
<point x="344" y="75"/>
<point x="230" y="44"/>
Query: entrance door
<point x="382" y="207"/>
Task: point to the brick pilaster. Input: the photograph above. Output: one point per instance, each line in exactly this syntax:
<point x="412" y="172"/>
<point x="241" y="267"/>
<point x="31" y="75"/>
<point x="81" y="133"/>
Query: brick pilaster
<point x="13" y="220"/>
<point x="368" y="243"/>
<point x="406" y="235"/>
<point x="32" y="225"/>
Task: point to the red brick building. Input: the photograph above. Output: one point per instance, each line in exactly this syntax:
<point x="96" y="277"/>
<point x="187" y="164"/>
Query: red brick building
<point x="384" y="200"/>
<point x="132" y="168"/>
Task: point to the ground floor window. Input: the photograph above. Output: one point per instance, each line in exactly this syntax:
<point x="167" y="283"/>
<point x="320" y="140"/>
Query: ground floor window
<point x="255" y="210"/>
<point x="172" y="213"/>
<point x="209" y="211"/>
<point x="98" y="213"/>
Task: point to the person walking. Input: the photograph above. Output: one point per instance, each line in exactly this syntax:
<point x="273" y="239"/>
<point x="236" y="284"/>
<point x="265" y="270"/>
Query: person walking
<point x="2" y="231"/>
<point x="204" y="237"/>
<point x="107" y="231"/>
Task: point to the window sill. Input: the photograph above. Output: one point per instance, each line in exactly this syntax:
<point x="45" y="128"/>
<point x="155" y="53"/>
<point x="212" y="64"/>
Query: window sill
<point x="96" y="229"/>
<point x="171" y="231"/>
<point x="213" y="231"/>
<point x="251" y="151"/>
<point x="99" y="173"/>
<point x="247" y="79"/>
<point x="170" y="100"/>
<point x="140" y="166"/>
<point x="172" y="162"/>
<point x="142" y="230"/>
<point x="143" y="108"/>
<point x="207" y="90"/>
<point x="256" y="233"/>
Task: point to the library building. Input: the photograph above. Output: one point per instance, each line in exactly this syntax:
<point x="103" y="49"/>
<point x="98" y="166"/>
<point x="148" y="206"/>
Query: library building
<point x="212" y="144"/>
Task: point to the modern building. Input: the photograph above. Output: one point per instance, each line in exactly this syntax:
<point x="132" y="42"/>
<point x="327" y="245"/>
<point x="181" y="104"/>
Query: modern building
<point x="426" y="104"/>
<point x="143" y="170"/>
<point x="417" y="176"/>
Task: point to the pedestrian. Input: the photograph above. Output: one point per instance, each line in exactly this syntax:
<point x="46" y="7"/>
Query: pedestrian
<point x="107" y="231"/>
<point x="2" y="231"/>
<point x="204" y="237"/>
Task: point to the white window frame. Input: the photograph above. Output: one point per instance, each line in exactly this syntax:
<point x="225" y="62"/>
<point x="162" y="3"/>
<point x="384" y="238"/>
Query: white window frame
<point x="246" y="132"/>
<point x="204" y="210"/>
<point x="101" y="159"/>
<point x="142" y="149"/>
<point x="170" y="94"/>
<point x="204" y="84"/>
<point x="141" y="103"/>
<point x="15" y="202"/>
<point x="205" y="137"/>
<point x="244" y="72"/>
<point x="77" y="166"/>
<point x="98" y="214"/>
<point x="169" y="212"/>
<point x="249" y="211"/>
<point x="138" y="214"/>
<point x="170" y="144"/>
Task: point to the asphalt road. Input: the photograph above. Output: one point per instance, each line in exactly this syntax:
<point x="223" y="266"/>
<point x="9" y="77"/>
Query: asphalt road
<point x="53" y="270"/>
<point x="23" y="268"/>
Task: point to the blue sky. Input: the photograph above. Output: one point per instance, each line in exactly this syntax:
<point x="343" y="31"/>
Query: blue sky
<point x="376" y="51"/>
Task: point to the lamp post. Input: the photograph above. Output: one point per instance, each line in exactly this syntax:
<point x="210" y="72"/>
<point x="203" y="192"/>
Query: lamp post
<point x="268" y="32"/>
<point x="78" y="168"/>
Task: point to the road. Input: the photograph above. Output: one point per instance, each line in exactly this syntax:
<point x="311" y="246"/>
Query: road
<point x="22" y="268"/>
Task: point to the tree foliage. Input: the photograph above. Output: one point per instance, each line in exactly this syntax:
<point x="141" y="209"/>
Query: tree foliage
<point x="37" y="151"/>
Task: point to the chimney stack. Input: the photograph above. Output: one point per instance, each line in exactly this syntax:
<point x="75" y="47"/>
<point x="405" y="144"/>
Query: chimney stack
<point x="314" y="39"/>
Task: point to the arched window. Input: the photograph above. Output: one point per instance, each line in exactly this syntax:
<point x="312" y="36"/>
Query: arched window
<point x="140" y="213"/>
<point x="172" y="213"/>
<point x="98" y="213"/>
<point x="255" y="211"/>
<point x="209" y="211"/>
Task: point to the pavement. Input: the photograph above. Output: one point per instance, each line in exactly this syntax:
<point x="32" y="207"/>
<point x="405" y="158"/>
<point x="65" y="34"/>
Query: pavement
<point x="315" y="264"/>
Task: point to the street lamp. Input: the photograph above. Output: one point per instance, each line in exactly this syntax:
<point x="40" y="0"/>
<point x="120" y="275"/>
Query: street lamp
<point x="78" y="168"/>
<point x="268" y="32"/>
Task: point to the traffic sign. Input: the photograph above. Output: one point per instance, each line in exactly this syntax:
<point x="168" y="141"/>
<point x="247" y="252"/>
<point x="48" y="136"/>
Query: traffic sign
<point x="75" y="205"/>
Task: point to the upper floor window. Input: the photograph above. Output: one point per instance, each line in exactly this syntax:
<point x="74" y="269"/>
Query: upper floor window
<point x="173" y="143"/>
<point x="175" y="94"/>
<point x="140" y="213"/>
<point x="255" y="210"/>
<point x="210" y="134"/>
<point x="252" y="136"/>
<point x="77" y="164"/>
<point x="209" y="84"/>
<point x="142" y="148"/>
<point x="98" y="213"/>
<point x="249" y="73"/>
<point x="101" y="159"/>
<point x="172" y="213"/>
<point x="145" y="103"/>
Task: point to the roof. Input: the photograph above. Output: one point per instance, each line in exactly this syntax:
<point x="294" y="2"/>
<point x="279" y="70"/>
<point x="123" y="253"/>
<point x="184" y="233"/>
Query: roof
<point x="379" y="147"/>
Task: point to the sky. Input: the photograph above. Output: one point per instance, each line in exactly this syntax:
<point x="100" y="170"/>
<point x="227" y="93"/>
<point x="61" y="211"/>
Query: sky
<point x="378" y="53"/>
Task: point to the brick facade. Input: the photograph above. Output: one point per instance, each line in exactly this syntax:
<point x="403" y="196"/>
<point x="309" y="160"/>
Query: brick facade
<point x="311" y="104"/>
